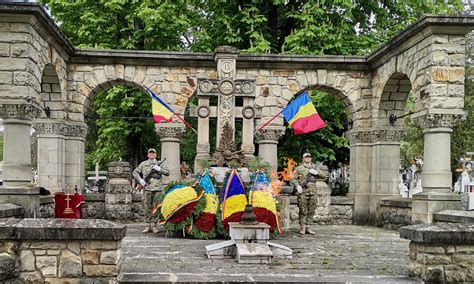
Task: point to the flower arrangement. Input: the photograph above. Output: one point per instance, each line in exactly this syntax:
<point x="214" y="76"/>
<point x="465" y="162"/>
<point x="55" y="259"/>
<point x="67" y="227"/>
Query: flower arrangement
<point x="233" y="201"/>
<point x="179" y="203"/>
<point x="264" y="204"/>
<point x="204" y="225"/>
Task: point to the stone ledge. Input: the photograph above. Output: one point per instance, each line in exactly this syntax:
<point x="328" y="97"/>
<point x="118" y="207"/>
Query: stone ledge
<point x="397" y="202"/>
<point x="46" y="199"/>
<point x="61" y="229"/>
<point x="444" y="233"/>
<point x="10" y="210"/>
<point x="341" y="200"/>
<point x="94" y="197"/>
<point x="454" y="216"/>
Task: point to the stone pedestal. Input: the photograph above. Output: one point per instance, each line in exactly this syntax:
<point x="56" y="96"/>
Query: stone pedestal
<point x="267" y="140"/>
<point x="118" y="196"/>
<point x="284" y="201"/>
<point x="170" y="135"/>
<point x="436" y="174"/>
<point x="17" y="171"/>
<point x="425" y="204"/>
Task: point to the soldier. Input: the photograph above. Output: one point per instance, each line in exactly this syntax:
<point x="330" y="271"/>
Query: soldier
<point x="151" y="171"/>
<point x="307" y="178"/>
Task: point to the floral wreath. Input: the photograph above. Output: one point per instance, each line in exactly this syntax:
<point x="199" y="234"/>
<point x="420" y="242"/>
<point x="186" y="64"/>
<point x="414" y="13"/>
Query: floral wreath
<point x="204" y="225"/>
<point x="178" y="212"/>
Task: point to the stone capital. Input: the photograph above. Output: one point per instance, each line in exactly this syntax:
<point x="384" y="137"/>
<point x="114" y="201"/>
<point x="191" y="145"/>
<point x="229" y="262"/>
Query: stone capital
<point x="270" y="133"/>
<point x="170" y="130"/>
<point x="439" y="120"/>
<point x="21" y="111"/>
<point x="375" y="135"/>
<point x="60" y="128"/>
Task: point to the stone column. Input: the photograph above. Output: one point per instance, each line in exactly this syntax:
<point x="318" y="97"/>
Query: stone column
<point x="385" y="169"/>
<point x="267" y="140"/>
<point x="17" y="171"/>
<point x="74" y="155"/>
<point x="436" y="172"/>
<point x="51" y="154"/>
<point x="170" y="135"/>
<point x="203" y="148"/>
<point x="118" y="196"/>
<point x="248" y="114"/>
<point x="360" y="182"/>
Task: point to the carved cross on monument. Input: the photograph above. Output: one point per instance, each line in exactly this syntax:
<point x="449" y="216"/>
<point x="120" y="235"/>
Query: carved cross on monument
<point x="226" y="88"/>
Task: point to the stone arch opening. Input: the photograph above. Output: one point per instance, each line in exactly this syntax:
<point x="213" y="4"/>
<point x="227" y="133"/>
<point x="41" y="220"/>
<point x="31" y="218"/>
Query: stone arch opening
<point x="51" y="94"/>
<point x="393" y="101"/>
<point x="129" y="117"/>
<point x="339" y="95"/>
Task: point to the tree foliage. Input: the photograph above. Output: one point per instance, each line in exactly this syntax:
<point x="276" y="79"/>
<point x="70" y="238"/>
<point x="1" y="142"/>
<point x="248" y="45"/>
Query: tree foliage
<point x="333" y="27"/>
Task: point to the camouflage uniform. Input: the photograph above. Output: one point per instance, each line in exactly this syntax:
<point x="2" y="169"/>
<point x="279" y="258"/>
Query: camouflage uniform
<point x="154" y="185"/>
<point x="307" y="200"/>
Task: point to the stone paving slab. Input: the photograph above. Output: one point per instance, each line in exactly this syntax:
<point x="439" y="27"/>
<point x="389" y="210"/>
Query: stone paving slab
<point x="337" y="253"/>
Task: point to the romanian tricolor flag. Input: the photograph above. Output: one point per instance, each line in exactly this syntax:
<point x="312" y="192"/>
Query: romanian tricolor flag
<point x="161" y="110"/>
<point x="302" y="115"/>
<point x="233" y="200"/>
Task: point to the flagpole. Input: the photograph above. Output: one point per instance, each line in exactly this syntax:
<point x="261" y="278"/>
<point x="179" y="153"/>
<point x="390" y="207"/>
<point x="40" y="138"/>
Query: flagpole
<point x="266" y="123"/>
<point x="185" y="122"/>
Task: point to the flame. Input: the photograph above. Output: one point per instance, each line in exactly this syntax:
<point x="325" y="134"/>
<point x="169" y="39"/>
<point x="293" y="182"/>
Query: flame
<point x="275" y="184"/>
<point x="287" y="173"/>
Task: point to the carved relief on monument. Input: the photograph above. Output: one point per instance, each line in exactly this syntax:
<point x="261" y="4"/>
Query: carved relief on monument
<point x="170" y="131"/>
<point x="372" y="136"/>
<point x="227" y="151"/>
<point x="19" y="111"/>
<point x="60" y="128"/>
<point x="270" y="133"/>
<point x="439" y="120"/>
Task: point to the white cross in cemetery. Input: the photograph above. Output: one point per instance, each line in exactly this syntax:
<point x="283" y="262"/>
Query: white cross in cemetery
<point x="96" y="176"/>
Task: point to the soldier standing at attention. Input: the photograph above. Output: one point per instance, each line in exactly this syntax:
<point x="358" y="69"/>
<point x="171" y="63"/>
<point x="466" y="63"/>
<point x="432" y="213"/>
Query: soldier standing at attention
<point x="151" y="171"/>
<point x="307" y="178"/>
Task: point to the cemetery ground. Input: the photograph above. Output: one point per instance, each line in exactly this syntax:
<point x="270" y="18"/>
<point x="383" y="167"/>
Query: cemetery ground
<point x="337" y="253"/>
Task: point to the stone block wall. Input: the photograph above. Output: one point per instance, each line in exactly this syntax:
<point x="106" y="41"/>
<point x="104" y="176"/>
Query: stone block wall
<point x="46" y="208"/>
<point x="338" y="212"/>
<point x="395" y="212"/>
<point x="95" y="207"/>
<point x="60" y="251"/>
<point x="442" y="252"/>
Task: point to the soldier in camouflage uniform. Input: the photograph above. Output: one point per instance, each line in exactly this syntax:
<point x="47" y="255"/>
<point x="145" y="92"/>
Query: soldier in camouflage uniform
<point x="153" y="186"/>
<point x="307" y="179"/>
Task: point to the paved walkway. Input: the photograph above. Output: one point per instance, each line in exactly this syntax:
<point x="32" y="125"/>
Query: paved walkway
<point x="335" y="254"/>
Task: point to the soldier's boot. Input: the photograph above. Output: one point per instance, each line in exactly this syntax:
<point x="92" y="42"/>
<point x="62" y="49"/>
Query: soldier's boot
<point x="154" y="229"/>
<point x="302" y="229"/>
<point x="309" y="231"/>
<point x="147" y="229"/>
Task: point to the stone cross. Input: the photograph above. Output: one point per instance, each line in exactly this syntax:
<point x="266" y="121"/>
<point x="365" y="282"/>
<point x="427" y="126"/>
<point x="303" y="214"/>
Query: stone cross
<point x="98" y="175"/>
<point x="226" y="88"/>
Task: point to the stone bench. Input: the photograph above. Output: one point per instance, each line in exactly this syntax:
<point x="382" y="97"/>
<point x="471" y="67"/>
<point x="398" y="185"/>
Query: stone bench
<point x="441" y="252"/>
<point x="8" y="210"/>
<point x="60" y="250"/>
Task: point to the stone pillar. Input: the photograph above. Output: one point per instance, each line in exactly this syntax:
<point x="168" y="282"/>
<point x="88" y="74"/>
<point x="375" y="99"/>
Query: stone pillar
<point x="436" y="172"/>
<point x="360" y="182"/>
<point x="385" y="169"/>
<point x="170" y="134"/>
<point x="17" y="172"/>
<point x="267" y="140"/>
<point x="203" y="148"/>
<point x="225" y="56"/>
<point x="118" y="195"/>
<point x="248" y="114"/>
<point x="74" y="155"/>
<point x="51" y="154"/>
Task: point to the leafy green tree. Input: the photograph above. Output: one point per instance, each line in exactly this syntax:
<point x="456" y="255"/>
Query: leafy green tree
<point x="121" y="127"/>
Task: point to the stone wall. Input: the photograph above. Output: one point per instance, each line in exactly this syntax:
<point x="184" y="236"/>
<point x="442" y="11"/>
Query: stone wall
<point x="46" y="208"/>
<point x="395" y="212"/>
<point x="60" y="251"/>
<point x="441" y="252"/>
<point x="338" y="212"/>
<point x="95" y="207"/>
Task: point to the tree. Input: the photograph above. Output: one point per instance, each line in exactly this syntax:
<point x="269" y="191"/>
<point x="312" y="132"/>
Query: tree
<point x="254" y="26"/>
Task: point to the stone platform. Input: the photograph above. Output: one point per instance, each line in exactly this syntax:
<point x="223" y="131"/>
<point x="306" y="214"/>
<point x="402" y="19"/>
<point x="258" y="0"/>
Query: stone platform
<point x="337" y="253"/>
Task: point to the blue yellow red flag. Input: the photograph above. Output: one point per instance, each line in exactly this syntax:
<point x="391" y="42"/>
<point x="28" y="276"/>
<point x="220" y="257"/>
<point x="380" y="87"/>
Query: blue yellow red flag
<point x="161" y="110"/>
<point x="302" y="116"/>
